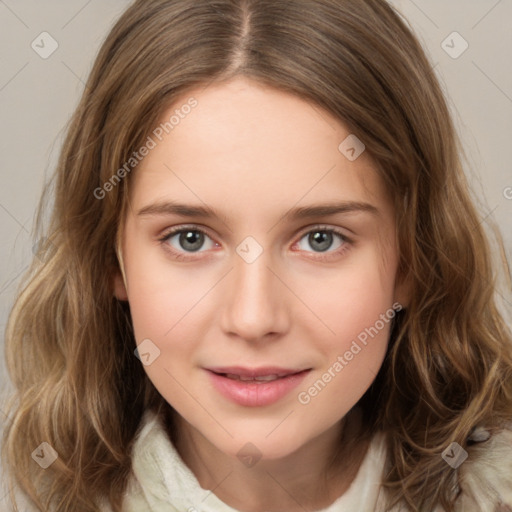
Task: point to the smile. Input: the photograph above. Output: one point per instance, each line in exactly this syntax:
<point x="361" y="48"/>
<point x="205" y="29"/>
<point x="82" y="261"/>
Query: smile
<point x="250" y="389"/>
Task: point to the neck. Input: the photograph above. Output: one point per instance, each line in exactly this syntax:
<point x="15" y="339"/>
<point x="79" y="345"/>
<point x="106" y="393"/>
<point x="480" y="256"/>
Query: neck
<point x="312" y="477"/>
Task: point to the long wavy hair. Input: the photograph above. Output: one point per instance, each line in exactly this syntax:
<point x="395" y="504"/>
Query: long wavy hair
<point x="69" y="341"/>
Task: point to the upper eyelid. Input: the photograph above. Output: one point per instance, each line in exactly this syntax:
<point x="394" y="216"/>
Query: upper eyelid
<point x="179" y="229"/>
<point x="321" y="227"/>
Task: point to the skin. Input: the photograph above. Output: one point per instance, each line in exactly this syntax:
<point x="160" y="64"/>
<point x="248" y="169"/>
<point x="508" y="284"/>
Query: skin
<point x="253" y="153"/>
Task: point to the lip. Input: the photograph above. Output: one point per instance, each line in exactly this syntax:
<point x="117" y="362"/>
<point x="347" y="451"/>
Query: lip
<point x="256" y="394"/>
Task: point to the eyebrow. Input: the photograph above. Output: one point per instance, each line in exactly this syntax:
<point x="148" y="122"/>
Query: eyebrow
<point x="302" y="212"/>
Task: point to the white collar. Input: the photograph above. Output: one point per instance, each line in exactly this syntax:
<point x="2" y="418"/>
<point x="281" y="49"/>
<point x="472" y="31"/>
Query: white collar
<point x="163" y="483"/>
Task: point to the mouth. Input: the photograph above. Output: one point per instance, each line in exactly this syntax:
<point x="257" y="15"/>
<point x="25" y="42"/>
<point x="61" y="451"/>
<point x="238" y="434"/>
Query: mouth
<point x="255" y="387"/>
<point x="264" y="374"/>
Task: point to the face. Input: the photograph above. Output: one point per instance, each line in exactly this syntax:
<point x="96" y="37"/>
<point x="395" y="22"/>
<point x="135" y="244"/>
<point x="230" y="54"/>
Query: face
<point x="253" y="244"/>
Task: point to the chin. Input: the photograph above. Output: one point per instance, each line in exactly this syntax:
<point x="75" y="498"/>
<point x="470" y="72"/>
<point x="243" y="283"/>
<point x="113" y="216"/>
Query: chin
<point x="264" y="448"/>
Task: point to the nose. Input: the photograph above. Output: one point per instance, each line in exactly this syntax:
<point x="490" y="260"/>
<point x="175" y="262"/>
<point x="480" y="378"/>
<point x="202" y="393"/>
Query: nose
<point x="255" y="305"/>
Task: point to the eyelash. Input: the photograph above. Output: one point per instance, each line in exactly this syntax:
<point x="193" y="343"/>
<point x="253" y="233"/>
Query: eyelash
<point x="347" y="242"/>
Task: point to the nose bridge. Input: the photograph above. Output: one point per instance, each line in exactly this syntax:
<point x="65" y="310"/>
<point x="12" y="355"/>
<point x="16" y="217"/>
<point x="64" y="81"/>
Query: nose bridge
<point x="255" y="305"/>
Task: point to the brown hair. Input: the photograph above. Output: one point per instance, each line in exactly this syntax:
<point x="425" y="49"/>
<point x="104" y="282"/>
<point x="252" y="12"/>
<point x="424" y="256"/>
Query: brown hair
<point x="69" y="342"/>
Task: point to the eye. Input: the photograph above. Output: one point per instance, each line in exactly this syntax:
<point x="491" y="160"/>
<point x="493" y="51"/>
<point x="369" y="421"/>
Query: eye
<point x="188" y="240"/>
<point x="182" y="242"/>
<point x="322" y="240"/>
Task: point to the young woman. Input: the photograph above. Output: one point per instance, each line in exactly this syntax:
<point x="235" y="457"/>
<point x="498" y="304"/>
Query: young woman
<point x="264" y="285"/>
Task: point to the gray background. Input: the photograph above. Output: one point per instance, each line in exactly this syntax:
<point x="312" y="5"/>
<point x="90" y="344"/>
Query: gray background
<point x="38" y="95"/>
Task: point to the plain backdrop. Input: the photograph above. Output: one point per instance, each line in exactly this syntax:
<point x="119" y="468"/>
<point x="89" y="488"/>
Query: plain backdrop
<point x="469" y="43"/>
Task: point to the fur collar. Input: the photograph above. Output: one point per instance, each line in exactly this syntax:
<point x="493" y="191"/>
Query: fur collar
<point x="485" y="477"/>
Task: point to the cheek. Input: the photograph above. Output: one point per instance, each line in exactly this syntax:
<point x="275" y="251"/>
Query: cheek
<point x="356" y="312"/>
<point x="351" y="300"/>
<point x="166" y="315"/>
<point x="162" y="297"/>
<point x="334" y="390"/>
<point x="165" y="306"/>
<point x="352" y="359"/>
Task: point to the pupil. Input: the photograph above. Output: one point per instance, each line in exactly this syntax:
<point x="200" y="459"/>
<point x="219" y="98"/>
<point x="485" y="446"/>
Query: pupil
<point x="322" y="239"/>
<point x="193" y="238"/>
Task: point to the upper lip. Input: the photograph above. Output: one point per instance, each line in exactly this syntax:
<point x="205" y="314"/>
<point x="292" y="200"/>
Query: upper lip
<point x="256" y="372"/>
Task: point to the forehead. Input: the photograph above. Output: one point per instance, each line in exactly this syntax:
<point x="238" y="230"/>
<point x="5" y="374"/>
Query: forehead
<point x="249" y="145"/>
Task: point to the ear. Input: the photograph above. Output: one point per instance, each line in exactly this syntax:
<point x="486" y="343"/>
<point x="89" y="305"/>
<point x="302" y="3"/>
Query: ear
<point x="119" y="287"/>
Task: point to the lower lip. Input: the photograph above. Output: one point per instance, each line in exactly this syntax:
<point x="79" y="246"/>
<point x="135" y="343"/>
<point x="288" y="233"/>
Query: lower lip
<point x="256" y="394"/>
